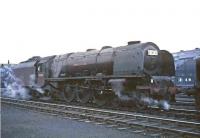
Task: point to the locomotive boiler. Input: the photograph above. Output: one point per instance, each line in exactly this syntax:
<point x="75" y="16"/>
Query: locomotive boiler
<point x="135" y="71"/>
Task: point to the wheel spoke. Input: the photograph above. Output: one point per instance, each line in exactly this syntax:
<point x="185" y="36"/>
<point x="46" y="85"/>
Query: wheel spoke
<point x="83" y="95"/>
<point x="68" y="94"/>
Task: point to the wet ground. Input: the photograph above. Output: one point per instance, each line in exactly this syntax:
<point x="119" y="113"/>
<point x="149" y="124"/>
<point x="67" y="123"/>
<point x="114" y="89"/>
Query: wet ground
<point x="22" y="123"/>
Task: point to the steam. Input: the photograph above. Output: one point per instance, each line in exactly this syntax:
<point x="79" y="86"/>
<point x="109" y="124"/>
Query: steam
<point x="163" y="104"/>
<point x="34" y="85"/>
<point x="12" y="86"/>
<point x="118" y="88"/>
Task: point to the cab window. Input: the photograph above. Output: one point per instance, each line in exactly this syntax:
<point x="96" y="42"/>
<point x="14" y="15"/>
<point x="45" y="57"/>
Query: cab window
<point x="39" y="69"/>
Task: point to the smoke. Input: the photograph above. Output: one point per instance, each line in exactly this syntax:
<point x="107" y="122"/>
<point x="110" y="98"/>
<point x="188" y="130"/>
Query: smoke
<point x="11" y="86"/>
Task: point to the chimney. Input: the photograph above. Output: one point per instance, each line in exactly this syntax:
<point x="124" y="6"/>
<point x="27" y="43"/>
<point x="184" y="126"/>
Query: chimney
<point x="133" y="42"/>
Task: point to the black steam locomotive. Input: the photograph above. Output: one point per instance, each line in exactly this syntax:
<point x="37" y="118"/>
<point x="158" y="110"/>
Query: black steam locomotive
<point x="187" y="64"/>
<point x="126" y="73"/>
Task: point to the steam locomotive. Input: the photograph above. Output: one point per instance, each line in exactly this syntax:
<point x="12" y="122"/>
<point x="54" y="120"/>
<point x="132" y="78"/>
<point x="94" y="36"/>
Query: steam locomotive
<point x="187" y="64"/>
<point x="127" y="73"/>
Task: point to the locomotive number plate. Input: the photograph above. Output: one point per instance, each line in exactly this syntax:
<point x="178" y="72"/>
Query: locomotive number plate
<point x="152" y="52"/>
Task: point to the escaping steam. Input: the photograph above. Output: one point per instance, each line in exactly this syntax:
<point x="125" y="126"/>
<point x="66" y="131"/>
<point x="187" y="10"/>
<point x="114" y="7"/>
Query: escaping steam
<point x="12" y="86"/>
<point x="34" y="85"/>
<point x="118" y="88"/>
<point x="163" y="104"/>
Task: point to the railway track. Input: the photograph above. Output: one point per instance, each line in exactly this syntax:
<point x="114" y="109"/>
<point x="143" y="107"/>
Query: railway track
<point x="138" y="123"/>
<point x="173" y="113"/>
<point x="185" y="101"/>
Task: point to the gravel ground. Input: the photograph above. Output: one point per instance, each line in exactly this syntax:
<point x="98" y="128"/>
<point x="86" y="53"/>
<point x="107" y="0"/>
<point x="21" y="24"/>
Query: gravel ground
<point x="21" y="123"/>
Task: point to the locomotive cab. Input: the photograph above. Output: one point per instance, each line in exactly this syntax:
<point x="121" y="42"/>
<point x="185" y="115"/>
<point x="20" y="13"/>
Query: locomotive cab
<point x="42" y="70"/>
<point x="40" y="74"/>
